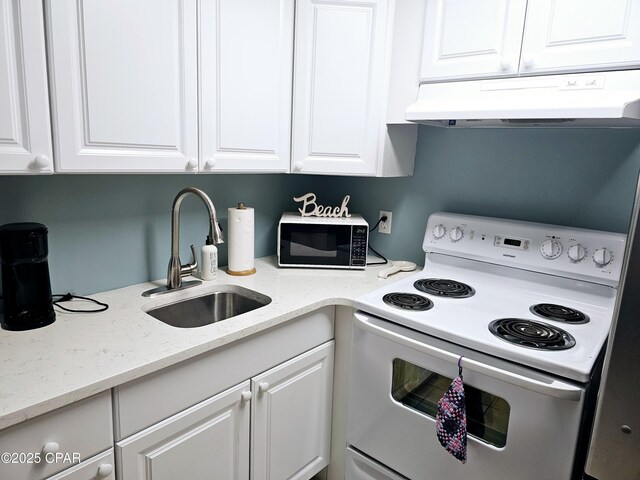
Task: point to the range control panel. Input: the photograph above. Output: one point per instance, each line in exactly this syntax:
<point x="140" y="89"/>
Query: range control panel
<point x="582" y="254"/>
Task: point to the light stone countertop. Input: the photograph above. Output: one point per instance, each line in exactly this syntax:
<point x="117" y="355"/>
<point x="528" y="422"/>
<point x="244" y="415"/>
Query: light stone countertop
<point x="83" y="354"/>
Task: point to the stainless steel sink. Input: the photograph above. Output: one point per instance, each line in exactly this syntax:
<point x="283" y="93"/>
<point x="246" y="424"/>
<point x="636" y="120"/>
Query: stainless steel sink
<point x="225" y="302"/>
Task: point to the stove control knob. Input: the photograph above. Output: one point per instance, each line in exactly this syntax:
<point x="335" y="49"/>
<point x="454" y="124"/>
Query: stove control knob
<point x="551" y="249"/>
<point x="456" y="234"/>
<point x="577" y="253"/>
<point x="602" y="257"/>
<point x="439" y="231"/>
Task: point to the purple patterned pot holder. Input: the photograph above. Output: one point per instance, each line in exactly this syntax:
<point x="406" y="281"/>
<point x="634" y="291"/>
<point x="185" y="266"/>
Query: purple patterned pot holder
<point x="451" y="419"/>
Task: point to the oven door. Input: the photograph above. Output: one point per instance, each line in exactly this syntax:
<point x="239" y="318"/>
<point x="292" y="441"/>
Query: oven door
<point x="315" y="245"/>
<point x="522" y="424"/>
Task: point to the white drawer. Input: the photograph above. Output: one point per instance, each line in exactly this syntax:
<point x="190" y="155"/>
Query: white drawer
<point x="143" y="402"/>
<point x="79" y="430"/>
<point x="100" y="467"/>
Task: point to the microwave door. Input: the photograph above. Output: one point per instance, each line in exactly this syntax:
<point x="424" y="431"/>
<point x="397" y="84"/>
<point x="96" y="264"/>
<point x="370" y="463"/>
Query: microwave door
<point x="315" y="245"/>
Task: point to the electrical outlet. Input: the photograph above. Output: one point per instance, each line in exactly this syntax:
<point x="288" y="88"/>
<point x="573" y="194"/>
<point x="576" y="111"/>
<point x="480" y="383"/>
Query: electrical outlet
<point x="385" y="227"/>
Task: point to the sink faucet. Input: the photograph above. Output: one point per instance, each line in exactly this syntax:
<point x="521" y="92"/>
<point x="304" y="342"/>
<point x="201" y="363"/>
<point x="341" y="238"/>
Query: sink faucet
<point x="176" y="271"/>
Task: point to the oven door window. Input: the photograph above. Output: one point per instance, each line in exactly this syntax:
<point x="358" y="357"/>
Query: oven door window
<point x="315" y="244"/>
<point x="420" y="389"/>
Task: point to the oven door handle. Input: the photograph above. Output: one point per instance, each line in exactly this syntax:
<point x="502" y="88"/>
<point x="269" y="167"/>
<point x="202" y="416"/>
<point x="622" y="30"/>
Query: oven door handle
<point x="554" y="388"/>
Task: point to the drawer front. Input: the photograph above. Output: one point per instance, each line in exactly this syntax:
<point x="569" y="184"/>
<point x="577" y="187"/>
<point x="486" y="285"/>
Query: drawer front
<point x="55" y="441"/>
<point x="148" y="400"/>
<point x="100" y="467"/>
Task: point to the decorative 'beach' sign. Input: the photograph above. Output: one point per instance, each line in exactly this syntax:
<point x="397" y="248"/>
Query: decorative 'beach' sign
<point x="311" y="209"/>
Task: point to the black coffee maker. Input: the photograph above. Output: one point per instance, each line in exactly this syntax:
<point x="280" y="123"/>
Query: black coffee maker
<point x="26" y="289"/>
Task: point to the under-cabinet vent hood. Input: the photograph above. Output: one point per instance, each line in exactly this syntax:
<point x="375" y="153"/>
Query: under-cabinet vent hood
<point x="601" y="99"/>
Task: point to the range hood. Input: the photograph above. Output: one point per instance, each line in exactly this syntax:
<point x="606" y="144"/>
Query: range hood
<point x="601" y="99"/>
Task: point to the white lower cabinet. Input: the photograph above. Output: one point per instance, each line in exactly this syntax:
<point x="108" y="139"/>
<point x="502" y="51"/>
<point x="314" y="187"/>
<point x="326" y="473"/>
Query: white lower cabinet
<point x="208" y="440"/>
<point x="291" y="417"/>
<point x="289" y="407"/>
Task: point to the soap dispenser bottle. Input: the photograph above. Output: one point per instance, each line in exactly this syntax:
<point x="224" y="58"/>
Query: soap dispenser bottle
<point x="209" y="263"/>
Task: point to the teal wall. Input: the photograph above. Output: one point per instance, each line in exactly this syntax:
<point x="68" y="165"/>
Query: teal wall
<point x="107" y="231"/>
<point x="578" y="177"/>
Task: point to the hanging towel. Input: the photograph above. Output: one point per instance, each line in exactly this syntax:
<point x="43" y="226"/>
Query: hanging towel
<point x="451" y="419"/>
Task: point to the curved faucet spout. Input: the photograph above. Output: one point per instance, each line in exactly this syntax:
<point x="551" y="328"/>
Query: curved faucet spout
<point x="176" y="270"/>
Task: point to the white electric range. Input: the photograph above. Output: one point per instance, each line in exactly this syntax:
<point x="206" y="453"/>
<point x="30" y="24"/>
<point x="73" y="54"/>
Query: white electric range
<point x="528" y="307"/>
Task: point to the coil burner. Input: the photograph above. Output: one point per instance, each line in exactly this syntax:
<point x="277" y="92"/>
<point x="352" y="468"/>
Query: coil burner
<point x="408" y="301"/>
<point x="531" y="334"/>
<point x="444" y="287"/>
<point x="551" y="311"/>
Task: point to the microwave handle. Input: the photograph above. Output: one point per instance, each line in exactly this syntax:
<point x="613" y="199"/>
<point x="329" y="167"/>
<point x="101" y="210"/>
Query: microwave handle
<point x="555" y="388"/>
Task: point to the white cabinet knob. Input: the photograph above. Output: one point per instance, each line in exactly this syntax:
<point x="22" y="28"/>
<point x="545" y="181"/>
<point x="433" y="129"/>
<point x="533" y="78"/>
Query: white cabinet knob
<point x="527" y="61"/>
<point x="246" y="396"/>
<point x="105" y="470"/>
<point x="264" y="386"/>
<point x="50" y="447"/>
<point x="192" y="164"/>
<point x="41" y="162"/>
<point x="505" y="64"/>
<point x="209" y="164"/>
<point x="298" y="166"/>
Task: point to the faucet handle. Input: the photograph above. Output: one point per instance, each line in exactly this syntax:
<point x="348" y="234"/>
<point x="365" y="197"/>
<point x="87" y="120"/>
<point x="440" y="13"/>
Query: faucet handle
<point x="190" y="268"/>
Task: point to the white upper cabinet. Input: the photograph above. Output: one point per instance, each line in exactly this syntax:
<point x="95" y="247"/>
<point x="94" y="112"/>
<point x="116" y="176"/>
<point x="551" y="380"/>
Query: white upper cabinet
<point x="246" y="75"/>
<point x="344" y="88"/>
<point x="580" y="35"/>
<point x="166" y="87"/>
<point x="25" y="132"/>
<point x="466" y="39"/>
<point x="124" y="82"/>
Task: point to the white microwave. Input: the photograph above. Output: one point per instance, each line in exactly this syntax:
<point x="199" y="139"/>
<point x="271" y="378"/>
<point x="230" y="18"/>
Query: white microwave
<point x="322" y="242"/>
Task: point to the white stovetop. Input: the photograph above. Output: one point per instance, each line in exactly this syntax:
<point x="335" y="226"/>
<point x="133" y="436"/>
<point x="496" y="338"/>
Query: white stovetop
<point x="503" y="292"/>
<point x="83" y="354"/>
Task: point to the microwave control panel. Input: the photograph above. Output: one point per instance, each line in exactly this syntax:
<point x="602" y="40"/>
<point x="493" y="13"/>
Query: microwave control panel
<point x="359" y="238"/>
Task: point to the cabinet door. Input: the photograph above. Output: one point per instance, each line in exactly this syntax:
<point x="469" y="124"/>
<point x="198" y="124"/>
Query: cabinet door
<point x="291" y="417"/>
<point x="246" y="75"/>
<point x="25" y="132"/>
<point x="472" y="39"/>
<point x="124" y="78"/>
<point x="581" y="35"/>
<point x="208" y="440"/>
<point x="339" y="86"/>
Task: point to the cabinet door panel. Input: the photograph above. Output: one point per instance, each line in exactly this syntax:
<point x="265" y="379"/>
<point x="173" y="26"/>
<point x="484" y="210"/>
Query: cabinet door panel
<point x="581" y="35"/>
<point x="467" y="39"/>
<point x="246" y="65"/>
<point x="125" y="84"/>
<point x="291" y="412"/>
<point x="208" y="440"/>
<point x="24" y="102"/>
<point x="339" y="81"/>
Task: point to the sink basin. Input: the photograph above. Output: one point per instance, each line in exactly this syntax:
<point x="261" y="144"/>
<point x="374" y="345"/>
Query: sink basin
<point x="226" y="302"/>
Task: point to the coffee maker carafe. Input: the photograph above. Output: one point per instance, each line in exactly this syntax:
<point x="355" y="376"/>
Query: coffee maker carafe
<point x="26" y="289"/>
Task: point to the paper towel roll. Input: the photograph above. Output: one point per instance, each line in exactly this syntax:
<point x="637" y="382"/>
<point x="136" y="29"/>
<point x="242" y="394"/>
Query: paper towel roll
<point x="241" y="238"/>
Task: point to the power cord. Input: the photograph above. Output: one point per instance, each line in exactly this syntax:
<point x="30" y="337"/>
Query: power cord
<point x="379" y="255"/>
<point x="67" y="297"/>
